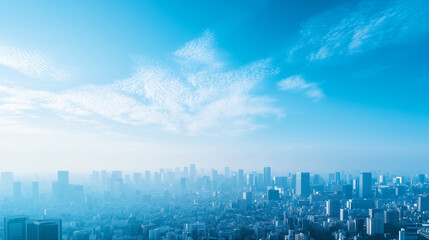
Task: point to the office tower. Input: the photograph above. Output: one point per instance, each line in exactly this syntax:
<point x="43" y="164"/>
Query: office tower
<point x="333" y="208"/>
<point x="116" y="175"/>
<point x="421" y="178"/>
<point x="391" y="217"/>
<point x="44" y="229"/>
<point x="63" y="178"/>
<point x="331" y="178"/>
<point x="242" y="204"/>
<point x="185" y="172"/>
<point x="293" y="182"/>
<point x="35" y="190"/>
<point x="316" y="179"/>
<point x="348" y="191"/>
<point x="147" y="176"/>
<point x="183" y="183"/>
<point x="344" y="214"/>
<point x="337" y="177"/>
<point x="303" y="184"/>
<point x="381" y="179"/>
<point x="192" y="172"/>
<point x="281" y="182"/>
<point x="248" y="196"/>
<point x="240" y="178"/>
<point x="374" y="226"/>
<point x="227" y="172"/>
<point x="137" y="178"/>
<point x="365" y="185"/>
<point x="273" y="194"/>
<point x="61" y="186"/>
<point x="356" y="184"/>
<point x="250" y="179"/>
<point x="402" y="234"/>
<point x="154" y="234"/>
<point x="267" y="176"/>
<point x="17" y="190"/>
<point x="423" y="203"/>
<point x="197" y="230"/>
<point x="14" y="228"/>
<point x="7" y="183"/>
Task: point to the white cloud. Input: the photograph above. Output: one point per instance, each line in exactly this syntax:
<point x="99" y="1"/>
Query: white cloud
<point x="298" y="83"/>
<point x="352" y="28"/>
<point x="197" y="94"/>
<point x="30" y="63"/>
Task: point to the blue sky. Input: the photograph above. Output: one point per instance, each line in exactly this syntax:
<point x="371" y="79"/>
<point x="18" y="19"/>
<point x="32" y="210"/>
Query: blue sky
<point x="296" y="85"/>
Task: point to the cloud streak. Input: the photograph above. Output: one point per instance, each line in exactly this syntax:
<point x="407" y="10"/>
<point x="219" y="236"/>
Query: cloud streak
<point x="353" y="29"/>
<point x="30" y="63"/>
<point x="298" y="84"/>
<point x="196" y="94"/>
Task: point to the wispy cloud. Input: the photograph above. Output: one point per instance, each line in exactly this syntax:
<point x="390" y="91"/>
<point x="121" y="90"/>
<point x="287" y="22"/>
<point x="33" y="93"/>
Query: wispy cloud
<point x="30" y="63"/>
<point x="195" y="94"/>
<point x="365" y="26"/>
<point x="297" y="83"/>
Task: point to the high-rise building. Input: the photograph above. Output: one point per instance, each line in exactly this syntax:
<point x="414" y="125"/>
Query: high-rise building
<point x="267" y="176"/>
<point x="273" y="194"/>
<point x="338" y="177"/>
<point x="154" y="234"/>
<point x="17" y="190"/>
<point x="61" y="186"/>
<point x="241" y="181"/>
<point x="250" y="179"/>
<point x="344" y="214"/>
<point x="391" y="217"/>
<point x="44" y="229"/>
<point x="137" y="178"/>
<point x="374" y="226"/>
<point x="303" y="184"/>
<point x="14" y="228"/>
<point x="227" y="172"/>
<point x="365" y="185"/>
<point x="192" y="171"/>
<point x="333" y="208"/>
<point x="63" y="178"/>
<point x="423" y="203"/>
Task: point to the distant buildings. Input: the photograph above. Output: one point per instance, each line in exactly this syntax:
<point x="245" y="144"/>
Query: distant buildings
<point x="365" y="184"/>
<point x="303" y="184"/>
<point x="333" y="208"/>
<point x="267" y="176"/>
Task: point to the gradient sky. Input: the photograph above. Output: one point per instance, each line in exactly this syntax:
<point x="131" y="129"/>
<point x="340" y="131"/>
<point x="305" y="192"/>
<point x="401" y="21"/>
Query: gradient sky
<point x="296" y="85"/>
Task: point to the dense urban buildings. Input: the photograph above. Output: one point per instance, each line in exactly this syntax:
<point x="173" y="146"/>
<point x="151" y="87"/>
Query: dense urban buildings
<point x="192" y="203"/>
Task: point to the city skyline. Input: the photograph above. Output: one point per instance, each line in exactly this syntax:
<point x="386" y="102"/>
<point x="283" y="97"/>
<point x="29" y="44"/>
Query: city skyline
<point x="300" y="86"/>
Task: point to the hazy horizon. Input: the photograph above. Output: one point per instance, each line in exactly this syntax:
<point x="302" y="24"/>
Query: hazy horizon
<point x="318" y="86"/>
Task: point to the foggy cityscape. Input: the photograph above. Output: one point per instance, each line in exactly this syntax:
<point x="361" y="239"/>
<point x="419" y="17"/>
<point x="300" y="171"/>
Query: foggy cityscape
<point x="214" y="120"/>
<point x="194" y="203"/>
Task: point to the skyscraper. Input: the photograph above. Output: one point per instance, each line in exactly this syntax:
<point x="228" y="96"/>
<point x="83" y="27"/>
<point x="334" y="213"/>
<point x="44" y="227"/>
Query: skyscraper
<point x="267" y="176"/>
<point x="17" y="190"/>
<point x="333" y="208"/>
<point x="44" y="229"/>
<point x="241" y="178"/>
<point x="365" y="185"/>
<point x="63" y="178"/>
<point x="14" y="228"/>
<point x="192" y="171"/>
<point x="227" y="174"/>
<point x="303" y="184"/>
<point x="61" y="186"/>
<point x="423" y="203"/>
